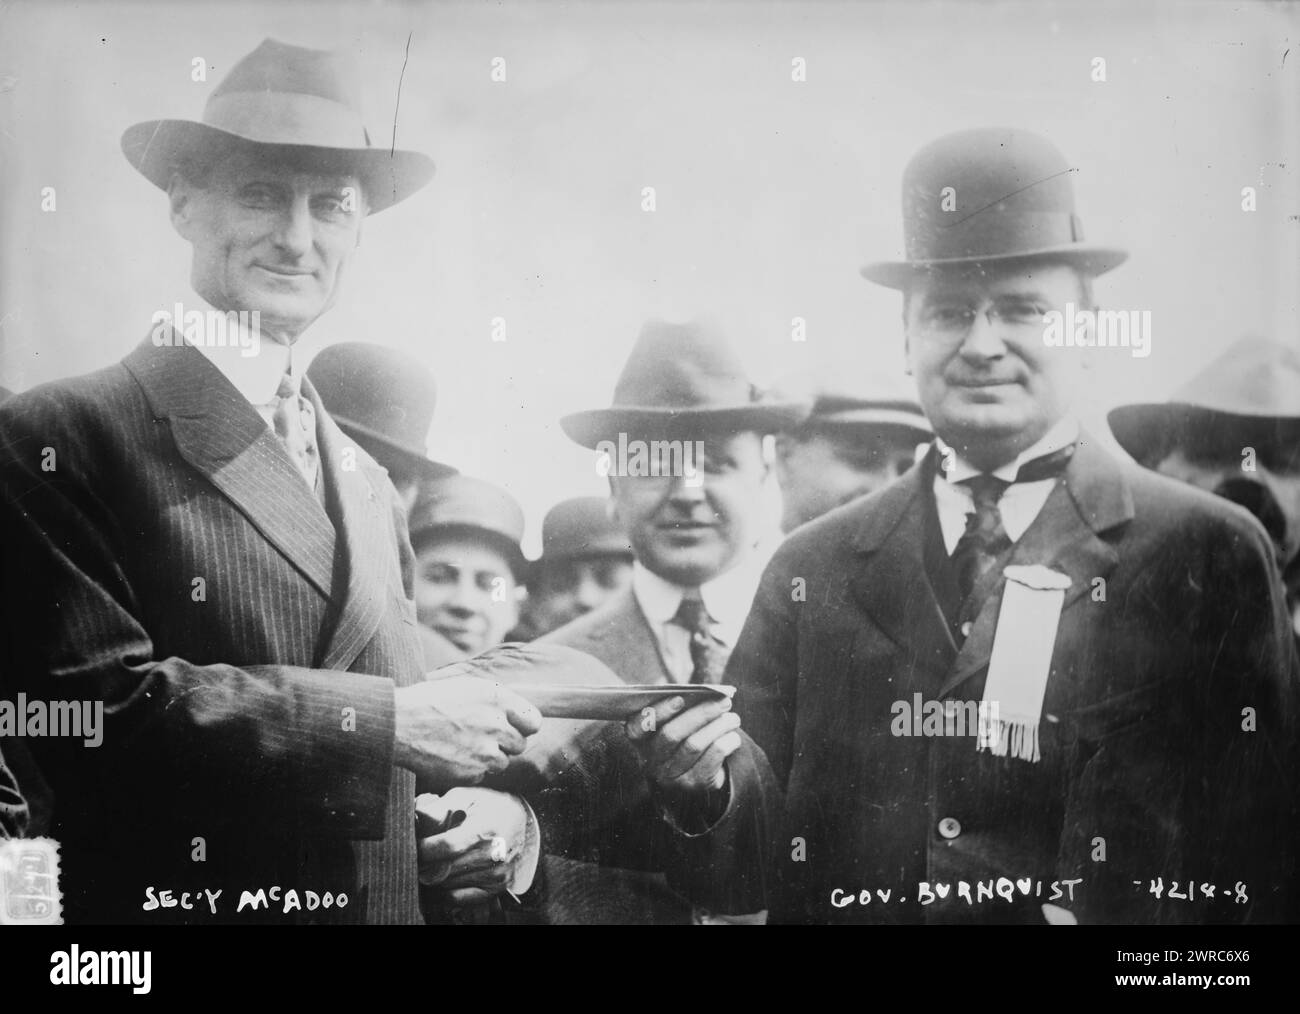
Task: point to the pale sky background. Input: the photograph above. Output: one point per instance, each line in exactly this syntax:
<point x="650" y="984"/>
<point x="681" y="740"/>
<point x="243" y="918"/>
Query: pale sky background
<point x="770" y="193"/>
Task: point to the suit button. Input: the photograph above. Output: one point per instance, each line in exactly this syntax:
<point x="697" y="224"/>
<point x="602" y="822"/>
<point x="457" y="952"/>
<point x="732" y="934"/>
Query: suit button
<point x="966" y="628"/>
<point x="949" y="827"/>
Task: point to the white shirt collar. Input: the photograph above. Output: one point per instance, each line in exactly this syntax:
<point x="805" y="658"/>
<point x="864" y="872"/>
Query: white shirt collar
<point x="253" y="363"/>
<point x="1020" y="504"/>
<point x="727" y="597"/>
<point x="1064" y="431"/>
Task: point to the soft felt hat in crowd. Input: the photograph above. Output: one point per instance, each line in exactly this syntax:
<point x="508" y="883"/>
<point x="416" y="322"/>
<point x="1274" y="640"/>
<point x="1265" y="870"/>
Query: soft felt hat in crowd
<point x="857" y="402"/>
<point x="1247" y="397"/>
<point x="581" y="528"/>
<point x="680" y="378"/>
<point x="461" y="504"/>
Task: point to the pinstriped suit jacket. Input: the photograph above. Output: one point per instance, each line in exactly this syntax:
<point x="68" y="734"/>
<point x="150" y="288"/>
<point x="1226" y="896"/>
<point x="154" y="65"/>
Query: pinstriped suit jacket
<point x="169" y="561"/>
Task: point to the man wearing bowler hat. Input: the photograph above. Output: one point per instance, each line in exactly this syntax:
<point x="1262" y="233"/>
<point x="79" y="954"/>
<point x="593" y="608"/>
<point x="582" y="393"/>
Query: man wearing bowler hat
<point x="197" y="547"/>
<point x="384" y="400"/>
<point x="586" y="560"/>
<point x="694" y="512"/>
<point x="1028" y="683"/>
<point x="1233" y="430"/>
<point x="859" y="436"/>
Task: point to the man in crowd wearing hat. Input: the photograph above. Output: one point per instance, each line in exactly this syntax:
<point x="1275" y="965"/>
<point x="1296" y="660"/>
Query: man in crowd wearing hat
<point x="1025" y="683"/>
<point x="384" y="400"/>
<point x="858" y="438"/>
<point x="1233" y="430"/>
<point x="198" y="550"/>
<point x="696" y="520"/>
<point x="586" y="561"/>
<point x="469" y="564"/>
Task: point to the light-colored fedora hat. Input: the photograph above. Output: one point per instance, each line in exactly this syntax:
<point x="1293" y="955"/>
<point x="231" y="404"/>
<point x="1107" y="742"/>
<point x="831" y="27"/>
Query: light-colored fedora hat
<point x="304" y="104"/>
<point x="680" y="378"/>
<point x="1247" y="397"/>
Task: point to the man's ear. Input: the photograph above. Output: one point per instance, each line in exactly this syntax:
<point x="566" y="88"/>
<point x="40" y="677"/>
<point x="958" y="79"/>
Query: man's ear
<point x="180" y="198"/>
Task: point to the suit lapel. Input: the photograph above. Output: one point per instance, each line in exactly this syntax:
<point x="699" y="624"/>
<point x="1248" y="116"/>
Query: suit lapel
<point x="366" y="540"/>
<point x="1092" y="498"/>
<point x="221" y="435"/>
<point x="891" y="584"/>
<point x="626" y="640"/>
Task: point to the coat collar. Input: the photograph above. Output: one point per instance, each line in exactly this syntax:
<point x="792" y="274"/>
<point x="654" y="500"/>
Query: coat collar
<point x="619" y="634"/>
<point x="366" y="532"/>
<point x="1092" y="498"/>
<point x="221" y="435"/>
<point x="218" y="432"/>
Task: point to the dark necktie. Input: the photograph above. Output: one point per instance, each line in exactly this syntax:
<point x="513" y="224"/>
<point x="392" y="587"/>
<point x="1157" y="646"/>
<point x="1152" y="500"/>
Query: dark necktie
<point x="708" y="654"/>
<point x="985" y="538"/>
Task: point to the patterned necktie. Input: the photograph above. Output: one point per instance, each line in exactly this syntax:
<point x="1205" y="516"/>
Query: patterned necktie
<point x="985" y="538"/>
<point x="708" y="654"/>
<point x="294" y="421"/>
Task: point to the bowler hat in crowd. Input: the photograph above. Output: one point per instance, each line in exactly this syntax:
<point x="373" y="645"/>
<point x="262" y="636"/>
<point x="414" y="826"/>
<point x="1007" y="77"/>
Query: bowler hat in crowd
<point x="300" y="105"/>
<point x="384" y="400"/>
<point x="990" y="195"/>
<point x="462" y="505"/>
<point x="1247" y="397"/>
<point x="680" y="378"/>
<point x="581" y="528"/>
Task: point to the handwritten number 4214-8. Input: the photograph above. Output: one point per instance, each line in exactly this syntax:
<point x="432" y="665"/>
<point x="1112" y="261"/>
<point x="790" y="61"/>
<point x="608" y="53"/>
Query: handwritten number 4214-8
<point x="1189" y="893"/>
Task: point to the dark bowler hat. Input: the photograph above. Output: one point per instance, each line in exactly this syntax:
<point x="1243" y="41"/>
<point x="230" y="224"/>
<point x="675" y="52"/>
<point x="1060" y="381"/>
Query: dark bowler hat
<point x="1247" y="397"/>
<point x="874" y="402"/>
<point x="680" y="376"/>
<point x="1014" y="200"/>
<point x="580" y="528"/>
<point x="302" y="105"/>
<point x="459" y="504"/>
<point x="383" y="399"/>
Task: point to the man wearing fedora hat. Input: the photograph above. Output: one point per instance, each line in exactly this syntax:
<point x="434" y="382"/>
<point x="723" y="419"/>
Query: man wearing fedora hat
<point x="696" y="522"/>
<point x="1233" y="430"/>
<point x="204" y="553"/>
<point x="586" y="560"/>
<point x="860" y="435"/>
<point x="1102" y="656"/>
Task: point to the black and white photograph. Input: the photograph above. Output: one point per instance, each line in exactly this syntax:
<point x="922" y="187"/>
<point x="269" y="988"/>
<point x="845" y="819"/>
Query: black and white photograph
<point x="650" y="463"/>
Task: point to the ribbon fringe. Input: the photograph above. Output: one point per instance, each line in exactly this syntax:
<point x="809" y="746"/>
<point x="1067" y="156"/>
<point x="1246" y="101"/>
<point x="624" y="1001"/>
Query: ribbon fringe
<point x="1015" y="739"/>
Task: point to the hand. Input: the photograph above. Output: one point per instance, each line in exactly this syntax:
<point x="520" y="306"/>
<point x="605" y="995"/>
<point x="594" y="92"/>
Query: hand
<point x="685" y="751"/>
<point x="454" y="731"/>
<point x="475" y="843"/>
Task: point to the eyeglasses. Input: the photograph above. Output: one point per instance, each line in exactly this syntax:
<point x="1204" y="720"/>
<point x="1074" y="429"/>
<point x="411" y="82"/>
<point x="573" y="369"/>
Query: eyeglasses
<point x="958" y="316"/>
